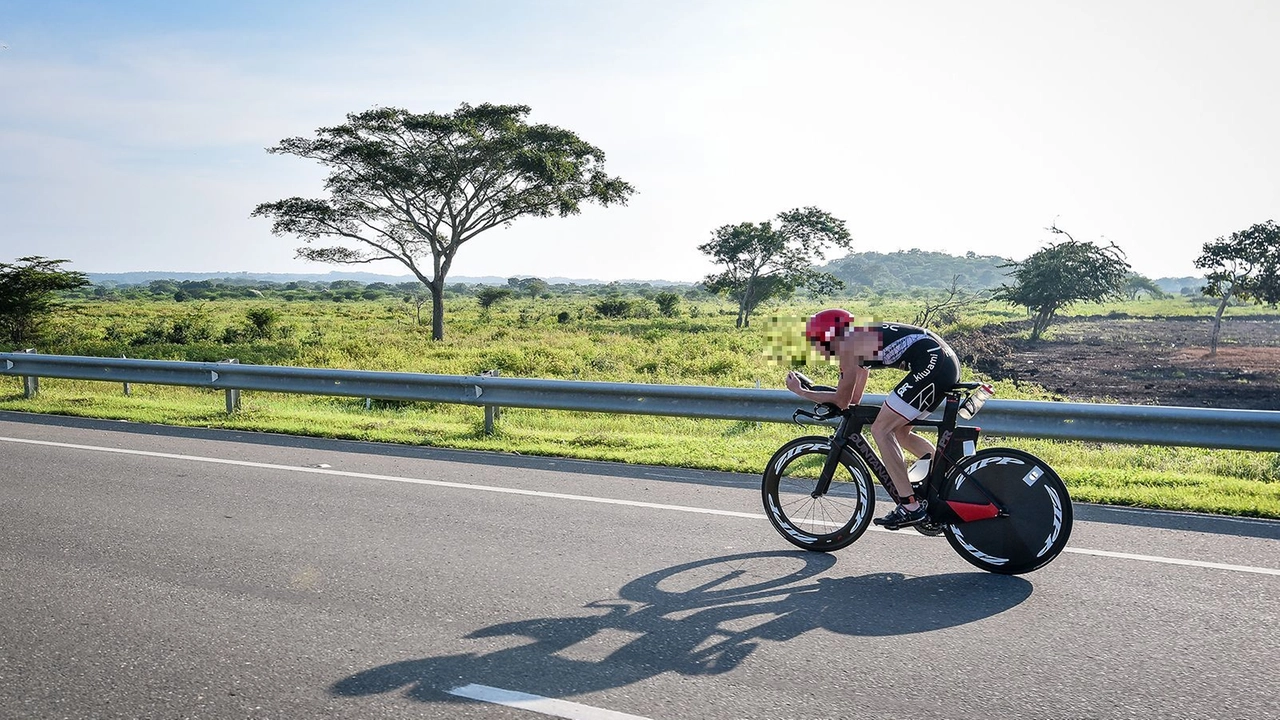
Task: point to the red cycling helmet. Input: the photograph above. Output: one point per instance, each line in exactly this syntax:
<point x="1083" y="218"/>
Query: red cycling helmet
<point x="827" y="325"/>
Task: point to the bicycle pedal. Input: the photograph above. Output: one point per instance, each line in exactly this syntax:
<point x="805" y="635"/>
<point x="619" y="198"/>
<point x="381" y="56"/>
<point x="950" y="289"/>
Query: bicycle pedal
<point x="928" y="529"/>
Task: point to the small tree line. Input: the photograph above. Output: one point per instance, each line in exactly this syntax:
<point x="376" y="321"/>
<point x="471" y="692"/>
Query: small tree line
<point x="414" y="188"/>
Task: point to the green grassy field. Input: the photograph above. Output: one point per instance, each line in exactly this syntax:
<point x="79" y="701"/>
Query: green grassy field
<point x="526" y="339"/>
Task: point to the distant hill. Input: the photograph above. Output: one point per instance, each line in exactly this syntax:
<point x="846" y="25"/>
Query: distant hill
<point x="900" y="271"/>
<point x="918" y="270"/>
<point x="144" y="277"/>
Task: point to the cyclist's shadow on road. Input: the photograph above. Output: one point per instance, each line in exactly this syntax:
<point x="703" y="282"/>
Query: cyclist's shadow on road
<point x="699" y="618"/>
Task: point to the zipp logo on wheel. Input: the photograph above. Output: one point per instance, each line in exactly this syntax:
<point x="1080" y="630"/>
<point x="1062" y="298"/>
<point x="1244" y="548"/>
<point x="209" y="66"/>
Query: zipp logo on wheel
<point x="782" y="461"/>
<point x="999" y="460"/>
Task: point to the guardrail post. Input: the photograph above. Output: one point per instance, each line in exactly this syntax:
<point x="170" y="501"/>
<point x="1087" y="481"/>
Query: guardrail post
<point x="757" y="423"/>
<point x="233" y="394"/>
<point x="30" y="383"/>
<point x="491" y="412"/>
<point x="128" y="389"/>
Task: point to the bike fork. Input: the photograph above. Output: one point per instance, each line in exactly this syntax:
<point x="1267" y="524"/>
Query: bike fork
<point x="829" y="468"/>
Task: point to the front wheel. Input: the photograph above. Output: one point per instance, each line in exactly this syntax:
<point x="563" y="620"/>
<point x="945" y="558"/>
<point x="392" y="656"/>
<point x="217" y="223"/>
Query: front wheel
<point x="1039" y="516"/>
<point x="824" y="522"/>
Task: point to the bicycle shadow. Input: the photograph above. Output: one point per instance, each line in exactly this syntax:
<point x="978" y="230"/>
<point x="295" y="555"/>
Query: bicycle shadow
<point x="700" y="618"/>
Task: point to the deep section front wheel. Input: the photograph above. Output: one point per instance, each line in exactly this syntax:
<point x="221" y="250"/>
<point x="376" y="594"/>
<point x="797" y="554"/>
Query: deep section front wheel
<point x="822" y="522"/>
<point x="1038" y="520"/>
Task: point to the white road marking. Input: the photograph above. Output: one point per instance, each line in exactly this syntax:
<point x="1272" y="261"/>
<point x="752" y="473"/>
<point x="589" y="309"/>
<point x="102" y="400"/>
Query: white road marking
<point x="539" y="704"/>
<point x="1173" y="561"/>
<point x="588" y="498"/>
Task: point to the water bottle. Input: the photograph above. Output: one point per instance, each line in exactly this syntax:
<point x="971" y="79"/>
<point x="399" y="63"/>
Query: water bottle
<point x="975" y="401"/>
<point x="919" y="470"/>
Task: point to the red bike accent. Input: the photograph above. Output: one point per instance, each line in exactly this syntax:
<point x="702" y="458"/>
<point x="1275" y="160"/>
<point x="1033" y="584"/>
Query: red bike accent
<point x="970" y="512"/>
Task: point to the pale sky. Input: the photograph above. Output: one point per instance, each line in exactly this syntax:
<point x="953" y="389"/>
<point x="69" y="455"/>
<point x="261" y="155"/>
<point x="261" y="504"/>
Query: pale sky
<point x="132" y="132"/>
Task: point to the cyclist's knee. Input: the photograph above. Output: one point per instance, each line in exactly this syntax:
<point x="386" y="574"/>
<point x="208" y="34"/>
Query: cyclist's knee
<point x="888" y="421"/>
<point x="885" y="428"/>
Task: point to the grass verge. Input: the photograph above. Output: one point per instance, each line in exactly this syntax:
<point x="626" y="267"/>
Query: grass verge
<point x="1212" y="481"/>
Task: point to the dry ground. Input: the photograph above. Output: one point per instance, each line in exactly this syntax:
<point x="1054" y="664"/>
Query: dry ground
<point x="1141" y="361"/>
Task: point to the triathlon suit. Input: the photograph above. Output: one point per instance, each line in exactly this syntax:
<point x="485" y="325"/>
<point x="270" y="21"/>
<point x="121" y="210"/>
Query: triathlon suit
<point x="931" y="365"/>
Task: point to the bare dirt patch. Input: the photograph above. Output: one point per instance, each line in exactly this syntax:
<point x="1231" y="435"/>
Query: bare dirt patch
<point x="1139" y="361"/>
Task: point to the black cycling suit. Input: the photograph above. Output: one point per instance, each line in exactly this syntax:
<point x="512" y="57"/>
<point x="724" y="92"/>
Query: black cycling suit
<point x="931" y="365"/>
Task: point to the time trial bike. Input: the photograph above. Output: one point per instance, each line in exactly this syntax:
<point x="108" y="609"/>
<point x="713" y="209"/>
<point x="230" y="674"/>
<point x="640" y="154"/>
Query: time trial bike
<point x="1001" y="509"/>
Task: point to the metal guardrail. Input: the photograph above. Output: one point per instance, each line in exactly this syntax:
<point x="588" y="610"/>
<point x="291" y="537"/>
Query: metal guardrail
<point x="1139" y="424"/>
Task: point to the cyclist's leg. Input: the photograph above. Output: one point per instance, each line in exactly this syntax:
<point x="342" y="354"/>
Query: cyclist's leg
<point x="914" y="442"/>
<point x="889" y="421"/>
<point x="933" y="371"/>
<point x="912" y="509"/>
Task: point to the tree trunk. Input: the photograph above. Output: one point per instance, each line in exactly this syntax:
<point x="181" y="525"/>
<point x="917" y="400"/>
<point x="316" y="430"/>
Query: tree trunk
<point x="1041" y="322"/>
<point x="437" y="310"/>
<point x="1217" y="322"/>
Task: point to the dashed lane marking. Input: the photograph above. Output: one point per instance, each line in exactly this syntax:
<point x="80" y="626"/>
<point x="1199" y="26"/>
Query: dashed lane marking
<point x="539" y="704"/>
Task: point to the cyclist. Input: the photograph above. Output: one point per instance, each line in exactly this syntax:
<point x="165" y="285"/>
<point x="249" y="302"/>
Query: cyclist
<point x="932" y="369"/>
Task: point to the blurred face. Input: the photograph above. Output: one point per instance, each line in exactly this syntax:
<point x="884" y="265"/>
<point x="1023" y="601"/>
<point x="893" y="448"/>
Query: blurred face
<point x="861" y="341"/>
<point x="826" y="350"/>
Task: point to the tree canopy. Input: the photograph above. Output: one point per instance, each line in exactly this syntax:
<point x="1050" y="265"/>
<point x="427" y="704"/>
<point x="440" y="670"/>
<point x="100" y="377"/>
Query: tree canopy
<point x="414" y="188"/>
<point x="1061" y="274"/>
<point x="1243" y="265"/>
<point x="29" y="292"/>
<point x="763" y="262"/>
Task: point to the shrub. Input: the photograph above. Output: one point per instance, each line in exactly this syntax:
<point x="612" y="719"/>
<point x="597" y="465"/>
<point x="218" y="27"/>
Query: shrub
<point x="185" y="330"/>
<point x="263" y="322"/>
<point x="668" y="303"/>
<point x="490" y="296"/>
<point x="613" y="307"/>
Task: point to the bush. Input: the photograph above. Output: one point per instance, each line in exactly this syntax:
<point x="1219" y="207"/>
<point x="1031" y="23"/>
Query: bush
<point x="642" y="310"/>
<point x="186" y="330"/>
<point x="668" y="303"/>
<point x="263" y="323"/>
<point x="614" y="307"/>
<point x="490" y="296"/>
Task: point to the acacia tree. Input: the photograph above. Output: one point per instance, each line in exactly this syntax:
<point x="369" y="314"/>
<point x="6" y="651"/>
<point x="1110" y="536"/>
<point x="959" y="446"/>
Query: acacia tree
<point x="764" y="262"/>
<point x="1135" y="285"/>
<point x="490" y="296"/>
<point x="29" y="292"/>
<point x="415" y="188"/>
<point x="1244" y="265"/>
<point x="1062" y="274"/>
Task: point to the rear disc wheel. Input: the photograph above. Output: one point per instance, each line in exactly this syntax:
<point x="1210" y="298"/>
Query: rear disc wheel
<point x="1039" y="511"/>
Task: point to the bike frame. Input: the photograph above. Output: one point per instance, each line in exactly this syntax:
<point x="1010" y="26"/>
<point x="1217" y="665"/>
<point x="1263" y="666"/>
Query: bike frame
<point x="848" y="436"/>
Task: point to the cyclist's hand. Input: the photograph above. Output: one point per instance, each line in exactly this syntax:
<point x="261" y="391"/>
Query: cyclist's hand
<point x="793" y="383"/>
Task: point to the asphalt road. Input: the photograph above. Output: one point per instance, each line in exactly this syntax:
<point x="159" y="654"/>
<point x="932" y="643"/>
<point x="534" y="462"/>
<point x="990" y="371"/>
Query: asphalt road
<point x="153" y="572"/>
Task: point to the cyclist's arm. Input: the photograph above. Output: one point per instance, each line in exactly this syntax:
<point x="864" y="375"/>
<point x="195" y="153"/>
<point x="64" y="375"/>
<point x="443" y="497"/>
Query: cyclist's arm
<point x="859" y="384"/>
<point x="848" y="391"/>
